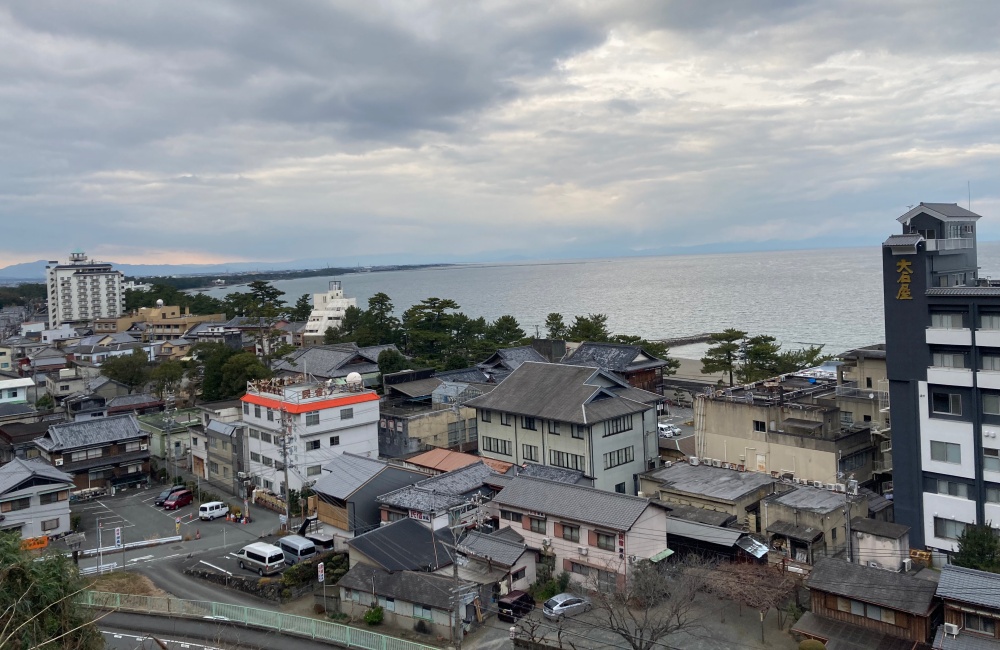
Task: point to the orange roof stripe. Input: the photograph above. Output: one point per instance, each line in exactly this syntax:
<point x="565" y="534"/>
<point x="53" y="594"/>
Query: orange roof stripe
<point x="278" y="404"/>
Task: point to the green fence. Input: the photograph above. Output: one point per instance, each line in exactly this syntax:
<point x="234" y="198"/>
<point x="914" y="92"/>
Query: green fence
<point x="351" y="637"/>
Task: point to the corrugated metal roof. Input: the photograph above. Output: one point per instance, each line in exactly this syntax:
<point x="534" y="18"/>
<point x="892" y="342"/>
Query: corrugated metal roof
<point x="577" y="502"/>
<point x="702" y="532"/>
<point x="343" y="475"/>
<point x="970" y="292"/>
<point x="491" y="547"/>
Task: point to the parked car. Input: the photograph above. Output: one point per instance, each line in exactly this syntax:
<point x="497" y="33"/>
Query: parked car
<point x="562" y="605"/>
<point x="666" y="430"/>
<point x="264" y="558"/>
<point x="514" y="605"/>
<point x="166" y="493"/>
<point x="178" y="500"/>
<point x="212" y="510"/>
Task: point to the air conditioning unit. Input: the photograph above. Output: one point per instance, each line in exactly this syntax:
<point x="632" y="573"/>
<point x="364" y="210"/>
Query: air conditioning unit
<point x="907" y="564"/>
<point x="641" y="494"/>
<point x="693" y="460"/>
<point x="546" y="541"/>
<point x="818" y="484"/>
<point x="874" y="565"/>
<point x="950" y="629"/>
<point x="143" y="447"/>
<point x="59" y="461"/>
<point x="841" y="487"/>
<point x="831" y="487"/>
<point x="716" y="462"/>
<point x="582" y="550"/>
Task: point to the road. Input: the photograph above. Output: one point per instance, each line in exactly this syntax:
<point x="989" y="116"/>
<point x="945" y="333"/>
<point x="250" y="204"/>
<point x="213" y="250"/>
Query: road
<point x="132" y="632"/>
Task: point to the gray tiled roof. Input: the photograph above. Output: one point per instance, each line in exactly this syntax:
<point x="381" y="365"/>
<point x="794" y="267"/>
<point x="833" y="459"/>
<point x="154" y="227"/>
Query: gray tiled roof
<point x="576" y="502"/>
<point x="511" y="358"/>
<point x="416" y="498"/>
<point x="963" y="291"/>
<point x="459" y="481"/>
<point x="963" y="641"/>
<point x="491" y="547"/>
<point x="136" y="399"/>
<point x="950" y="209"/>
<point x="329" y="361"/>
<point x="90" y="433"/>
<point x="10" y="408"/>
<point x="902" y="240"/>
<point x="409" y="586"/>
<point x="534" y="470"/>
<point x="17" y="471"/>
<point x="405" y="545"/>
<point x="440" y="492"/>
<point x="343" y="475"/>
<point x="969" y="586"/>
<point x="615" y="357"/>
<point x="553" y="391"/>
<point x="877" y="586"/>
<point x="508" y="533"/>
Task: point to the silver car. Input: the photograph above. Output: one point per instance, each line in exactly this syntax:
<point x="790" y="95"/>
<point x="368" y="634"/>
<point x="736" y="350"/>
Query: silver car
<point x="563" y="605"/>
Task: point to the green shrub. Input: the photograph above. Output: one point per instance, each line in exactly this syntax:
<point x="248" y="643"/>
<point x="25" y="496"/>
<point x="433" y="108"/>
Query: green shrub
<point x="811" y="644"/>
<point x="563" y="581"/>
<point x="374" y="615"/>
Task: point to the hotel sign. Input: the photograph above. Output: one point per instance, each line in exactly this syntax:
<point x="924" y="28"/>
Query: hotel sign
<point x="905" y="270"/>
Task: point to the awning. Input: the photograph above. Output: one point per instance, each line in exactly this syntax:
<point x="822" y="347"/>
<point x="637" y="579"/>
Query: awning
<point x="799" y="533"/>
<point x="662" y="555"/>
<point x="802" y="424"/>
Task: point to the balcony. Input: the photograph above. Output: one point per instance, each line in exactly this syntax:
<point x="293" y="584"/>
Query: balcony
<point x="885" y="446"/>
<point x="884" y="465"/>
<point x="949" y="376"/>
<point x="989" y="379"/>
<point x="850" y="390"/>
<point x="949" y="336"/>
<point x="949" y="244"/>
<point x="988" y="338"/>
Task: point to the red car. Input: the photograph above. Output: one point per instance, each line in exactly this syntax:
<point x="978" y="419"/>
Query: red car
<point x="178" y="500"/>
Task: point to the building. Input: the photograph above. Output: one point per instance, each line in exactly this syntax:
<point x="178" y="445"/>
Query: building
<point x="15" y="391"/>
<point x="805" y="523"/>
<point x="328" y="311"/>
<point x="295" y="426"/>
<point x="102" y="452"/>
<point x="404" y="545"/>
<point x="942" y="328"/>
<point x="334" y="362"/>
<point x="17" y="440"/>
<point x="594" y="535"/>
<point x="880" y="544"/>
<point x="855" y="606"/>
<point x="574" y="417"/>
<point x="506" y="559"/>
<point x="445" y="500"/>
<point x="170" y="437"/>
<point x="971" y="609"/>
<point x="629" y="362"/>
<point x="164" y="322"/>
<point x="82" y="290"/>
<point x="506" y="360"/>
<point x="34" y="499"/>
<point x="440" y="461"/>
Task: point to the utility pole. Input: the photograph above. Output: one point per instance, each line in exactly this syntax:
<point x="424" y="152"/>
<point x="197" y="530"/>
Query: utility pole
<point x="457" y="590"/>
<point x="847" y="519"/>
<point x="286" y="422"/>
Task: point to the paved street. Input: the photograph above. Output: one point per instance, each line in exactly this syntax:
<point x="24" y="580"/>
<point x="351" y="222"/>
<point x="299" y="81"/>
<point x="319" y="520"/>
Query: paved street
<point x="132" y="632"/>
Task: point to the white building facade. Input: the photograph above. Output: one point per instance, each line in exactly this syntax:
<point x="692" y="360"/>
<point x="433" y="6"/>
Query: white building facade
<point x="307" y="422"/>
<point x="82" y="290"/>
<point x="328" y="310"/>
<point x="34" y="499"/>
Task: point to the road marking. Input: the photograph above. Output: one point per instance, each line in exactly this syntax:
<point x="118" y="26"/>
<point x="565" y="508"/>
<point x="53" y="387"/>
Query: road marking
<point x="141" y="559"/>
<point x="118" y="636"/>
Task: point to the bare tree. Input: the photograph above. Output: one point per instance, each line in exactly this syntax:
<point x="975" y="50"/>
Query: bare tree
<point x="650" y="602"/>
<point x="757" y="586"/>
<point x="536" y="631"/>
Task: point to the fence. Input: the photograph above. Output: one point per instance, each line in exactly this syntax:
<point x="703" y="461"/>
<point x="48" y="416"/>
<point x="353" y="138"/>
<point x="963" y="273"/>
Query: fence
<point x="347" y="636"/>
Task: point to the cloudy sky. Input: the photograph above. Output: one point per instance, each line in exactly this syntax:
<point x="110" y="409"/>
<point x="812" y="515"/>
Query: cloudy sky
<point x="362" y="132"/>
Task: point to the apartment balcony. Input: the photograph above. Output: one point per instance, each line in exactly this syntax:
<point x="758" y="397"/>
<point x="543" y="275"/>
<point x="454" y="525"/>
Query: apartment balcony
<point x="850" y="390"/>
<point x="948" y="336"/>
<point x="949" y="376"/>
<point x="885" y="446"/>
<point x="949" y="244"/>
<point x="989" y="379"/>
<point x="884" y="465"/>
<point x="988" y="338"/>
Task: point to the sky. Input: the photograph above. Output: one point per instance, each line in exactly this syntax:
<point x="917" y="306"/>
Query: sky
<point x="412" y="131"/>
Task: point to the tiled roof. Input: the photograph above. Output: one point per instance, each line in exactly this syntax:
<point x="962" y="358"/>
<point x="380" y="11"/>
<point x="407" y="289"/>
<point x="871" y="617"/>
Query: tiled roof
<point x="534" y="470"/>
<point x="136" y="399"/>
<point x="331" y="361"/>
<point x="17" y="471"/>
<point x="417" y="388"/>
<point x="969" y="586"/>
<point x="877" y="586"/>
<point x="446" y="460"/>
<point x="471" y="375"/>
<point x="90" y="433"/>
<point x="405" y="545"/>
<point x="614" y="357"/>
<point x="343" y="475"/>
<point x="576" y="502"/>
<point x="409" y="586"/>
<point x="10" y="408"/>
<point x="511" y="358"/>
<point x="491" y="547"/>
<point x="439" y="492"/>
<point x="902" y="240"/>
<point x="950" y="209"/>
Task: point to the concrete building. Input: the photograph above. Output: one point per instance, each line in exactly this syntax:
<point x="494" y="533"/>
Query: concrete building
<point x="805" y="523"/>
<point x="328" y="311"/>
<point x="942" y="325"/>
<point x="879" y="544"/>
<point x="163" y="322"/>
<point x="82" y="290"/>
<point x="34" y="499"/>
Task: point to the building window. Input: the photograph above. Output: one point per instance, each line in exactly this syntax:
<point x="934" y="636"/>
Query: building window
<point x="571" y="533"/>
<point x="991" y="404"/>
<point x="948" y="360"/>
<point x="579" y="569"/>
<point x="759" y="425"/>
<point x="580" y="431"/>
<point x="537" y="525"/>
<point x="50" y="524"/>
<point x="519" y="574"/>
<point x="312" y="418"/>
<point x="496" y="445"/>
<point x="267" y="461"/>
<point x="993" y="494"/>
<point x="347" y="414"/>
<point x="270" y="414"/>
<point x="618" y="457"/>
<point x="868" y="382"/>
<point x="605" y="541"/>
<point x="530" y="452"/>
<point x="52" y="497"/>
<point x="978" y="623"/>
<point x="568" y="461"/>
<point x="265" y="436"/>
<point x="950" y="488"/>
<point x="946" y="403"/>
<point x="267" y="485"/>
<point x="334" y="441"/>
<point x="420" y="611"/>
<point x="617" y="425"/>
<point x="456" y="433"/>
<point x="225" y="472"/>
<point x="991" y="460"/>
<point x="388" y="604"/>
<point x="254" y="433"/>
<point x="991" y="362"/>
<point x="194" y="441"/>
<point x="486" y="415"/>
<point x="620" y="488"/>
<point x="213" y="467"/>
<point x="948" y="528"/>
<point x="254" y="456"/>
<point x="989" y="321"/>
<point x="553" y="427"/>
<point x="510" y="515"/>
<point x="528" y="423"/>
<point x="312" y="445"/>
<point x="946" y="452"/>
<point x="256" y="410"/>
<point x="15" y="504"/>
<point x="946" y="320"/>
<point x="505" y="419"/>
<point x="314" y="470"/>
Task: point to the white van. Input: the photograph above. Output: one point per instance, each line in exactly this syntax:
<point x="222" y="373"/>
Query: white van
<point x="212" y="510"/>
<point x="296" y="548"/>
<point x="264" y="558"/>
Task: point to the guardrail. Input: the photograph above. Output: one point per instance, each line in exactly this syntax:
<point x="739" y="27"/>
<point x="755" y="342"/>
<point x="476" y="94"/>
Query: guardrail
<point x="302" y="626"/>
<point x="90" y="552"/>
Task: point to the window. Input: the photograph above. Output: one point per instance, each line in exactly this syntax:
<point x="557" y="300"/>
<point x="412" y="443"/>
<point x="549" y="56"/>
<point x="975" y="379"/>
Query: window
<point x="312" y="418"/>
<point x="225" y="472"/>
<point x="334" y="441"/>
<point x="571" y="533"/>
<point x="991" y="460"/>
<point x="950" y="488"/>
<point x="254" y="433"/>
<point x="312" y="445"/>
<point x="989" y="321"/>
<point x="270" y="414"/>
<point x="314" y="470"/>
<point x="537" y="525"/>
<point x="456" y="433"/>
<point x="946" y="452"/>
<point x="868" y="382"/>
<point x="52" y="497"/>
<point x="759" y="425"/>
<point x="620" y="488"/>
<point x="420" y="611"/>
<point x="388" y="604"/>
<point x="268" y="461"/>
<point x="496" y="446"/>
<point x="553" y="427"/>
<point x="519" y="574"/>
<point x="486" y="415"/>
<point x="347" y="414"/>
<point x="580" y="431"/>
<point x="246" y="409"/>
<point x="254" y="456"/>
<point x="194" y="441"/>
<point x="948" y="528"/>
<point x="579" y="569"/>
<point x="256" y="410"/>
<point x="993" y="493"/>
<point x="214" y="442"/>
<point x="568" y="461"/>
<point x="607" y="580"/>
<point x="948" y="360"/>
<point x="510" y="515"/>
<point x="225" y="445"/>
<point x="528" y="423"/>
<point x="16" y="504"/>
<point x="991" y="362"/>
<point x="530" y="452"/>
<point x="947" y="403"/>
<point x="612" y="427"/>
<point x="50" y="524"/>
<point x="267" y="485"/>
<point x="605" y="541"/>
<point x="213" y="467"/>
<point x="619" y="457"/>
<point x="265" y="436"/>
<point x="505" y="419"/>
<point x="978" y="623"/>
<point x="945" y="320"/>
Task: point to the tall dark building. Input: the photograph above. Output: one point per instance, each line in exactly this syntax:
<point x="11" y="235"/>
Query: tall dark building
<point x="942" y="328"/>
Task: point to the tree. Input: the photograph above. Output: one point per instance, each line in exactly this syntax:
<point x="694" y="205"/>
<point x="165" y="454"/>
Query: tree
<point x="45" y="402"/>
<point x="167" y="377"/>
<point x="723" y="353"/>
<point x="555" y="328"/>
<point x="758" y="359"/>
<point x="238" y="370"/>
<point x="36" y="602"/>
<point x="656" y="600"/>
<point x="383" y="328"/>
<point x="758" y="586"/>
<point x="505" y="332"/>
<point x="211" y="357"/>
<point x="302" y="309"/>
<point x="390" y="361"/>
<point x="593" y="327"/>
<point x="978" y="548"/>
<point x="132" y="370"/>
<point x="429" y="328"/>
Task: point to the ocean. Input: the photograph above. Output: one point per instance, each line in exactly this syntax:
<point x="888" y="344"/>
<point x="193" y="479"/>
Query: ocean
<point x="830" y="297"/>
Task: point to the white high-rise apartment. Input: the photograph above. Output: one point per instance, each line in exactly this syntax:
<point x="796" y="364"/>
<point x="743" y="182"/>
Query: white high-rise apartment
<point x="82" y="290"/>
<point x="328" y="311"/>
